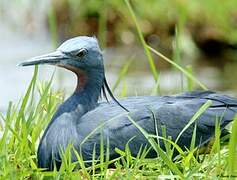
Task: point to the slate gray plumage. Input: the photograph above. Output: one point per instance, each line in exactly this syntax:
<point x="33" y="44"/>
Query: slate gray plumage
<point x="81" y="114"/>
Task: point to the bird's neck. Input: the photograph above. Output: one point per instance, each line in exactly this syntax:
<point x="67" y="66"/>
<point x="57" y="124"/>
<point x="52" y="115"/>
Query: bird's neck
<point x="86" y="95"/>
<point x="88" y="89"/>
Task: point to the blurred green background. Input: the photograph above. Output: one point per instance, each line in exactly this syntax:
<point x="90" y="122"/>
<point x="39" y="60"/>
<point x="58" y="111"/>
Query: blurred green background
<point x="200" y="35"/>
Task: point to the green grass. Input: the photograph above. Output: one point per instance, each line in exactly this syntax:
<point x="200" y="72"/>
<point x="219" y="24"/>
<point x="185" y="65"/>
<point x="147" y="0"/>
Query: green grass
<point x="26" y="120"/>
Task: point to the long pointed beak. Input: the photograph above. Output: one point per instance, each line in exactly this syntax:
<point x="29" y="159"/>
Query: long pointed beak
<point x="54" y="58"/>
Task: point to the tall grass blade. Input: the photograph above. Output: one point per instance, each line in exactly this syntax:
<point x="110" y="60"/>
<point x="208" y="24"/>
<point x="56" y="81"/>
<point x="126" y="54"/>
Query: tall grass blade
<point x="232" y="159"/>
<point x="26" y="98"/>
<point x="53" y="26"/>
<point x="102" y="24"/>
<point x="102" y="155"/>
<point x="193" y="141"/>
<point x="202" y="109"/>
<point x="147" y="52"/>
<point x="122" y="73"/>
<point x="81" y="163"/>
<point x="124" y="89"/>
<point x="184" y="71"/>
<point x="189" y="80"/>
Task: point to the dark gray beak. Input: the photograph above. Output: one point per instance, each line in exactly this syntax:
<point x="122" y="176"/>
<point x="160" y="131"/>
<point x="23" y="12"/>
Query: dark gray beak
<point x="54" y="58"/>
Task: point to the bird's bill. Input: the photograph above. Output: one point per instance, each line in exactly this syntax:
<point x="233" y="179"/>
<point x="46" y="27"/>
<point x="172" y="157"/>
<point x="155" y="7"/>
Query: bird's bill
<point x="53" y="58"/>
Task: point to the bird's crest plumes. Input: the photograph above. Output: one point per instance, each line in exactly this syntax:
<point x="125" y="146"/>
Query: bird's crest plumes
<point x="105" y="88"/>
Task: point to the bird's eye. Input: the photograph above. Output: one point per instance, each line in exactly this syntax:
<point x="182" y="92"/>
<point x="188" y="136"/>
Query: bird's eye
<point x="81" y="53"/>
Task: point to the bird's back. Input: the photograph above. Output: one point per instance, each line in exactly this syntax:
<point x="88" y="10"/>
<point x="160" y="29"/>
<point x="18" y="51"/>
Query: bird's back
<point x="151" y="112"/>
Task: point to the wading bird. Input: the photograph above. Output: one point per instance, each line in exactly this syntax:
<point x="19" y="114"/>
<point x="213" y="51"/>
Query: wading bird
<point x="82" y="121"/>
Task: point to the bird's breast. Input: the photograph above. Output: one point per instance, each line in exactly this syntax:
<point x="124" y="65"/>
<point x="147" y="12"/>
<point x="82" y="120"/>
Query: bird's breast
<point x="61" y="133"/>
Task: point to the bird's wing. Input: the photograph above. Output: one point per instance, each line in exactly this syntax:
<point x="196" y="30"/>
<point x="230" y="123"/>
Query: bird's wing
<point x="172" y="112"/>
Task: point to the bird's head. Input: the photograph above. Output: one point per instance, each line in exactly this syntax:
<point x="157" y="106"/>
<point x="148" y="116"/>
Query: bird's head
<point x="82" y="56"/>
<point x="76" y="54"/>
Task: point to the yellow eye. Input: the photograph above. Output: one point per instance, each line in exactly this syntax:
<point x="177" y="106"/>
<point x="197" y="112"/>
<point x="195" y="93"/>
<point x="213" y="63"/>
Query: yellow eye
<point x="81" y="53"/>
